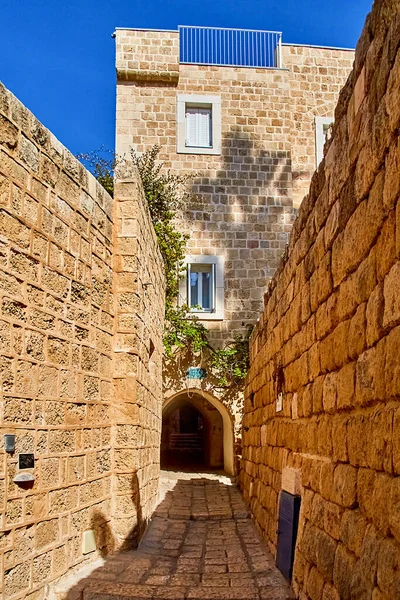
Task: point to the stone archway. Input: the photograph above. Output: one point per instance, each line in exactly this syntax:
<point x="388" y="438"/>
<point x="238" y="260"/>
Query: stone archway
<point x="214" y="433"/>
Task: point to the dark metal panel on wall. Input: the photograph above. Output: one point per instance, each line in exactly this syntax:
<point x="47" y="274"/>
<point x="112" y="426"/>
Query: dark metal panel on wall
<point x="288" y="520"/>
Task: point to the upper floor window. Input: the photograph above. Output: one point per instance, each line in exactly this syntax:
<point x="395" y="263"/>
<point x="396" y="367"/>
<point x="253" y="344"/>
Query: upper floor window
<point x="203" y="287"/>
<point x="201" y="284"/>
<point x="322" y="129"/>
<point x="198" y="124"/>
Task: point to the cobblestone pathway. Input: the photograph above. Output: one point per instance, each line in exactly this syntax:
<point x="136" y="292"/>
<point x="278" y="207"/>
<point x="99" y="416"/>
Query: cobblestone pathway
<point x="200" y="545"/>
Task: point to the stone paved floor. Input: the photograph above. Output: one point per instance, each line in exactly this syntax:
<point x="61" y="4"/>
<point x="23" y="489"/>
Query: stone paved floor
<point x="200" y="545"/>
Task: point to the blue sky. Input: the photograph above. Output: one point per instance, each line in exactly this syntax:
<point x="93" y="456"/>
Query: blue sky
<point x="58" y="57"/>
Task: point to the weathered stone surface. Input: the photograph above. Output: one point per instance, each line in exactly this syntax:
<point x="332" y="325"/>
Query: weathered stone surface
<point x="345" y="435"/>
<point x="391" y="293"/>
<point x="57" y="363"/>
<point x="374" y="316"/>
<point x="343" y="569"/>
<point x="394" y="508"/>
<point x="8" y="133"/>
<point x="389" y="568"/>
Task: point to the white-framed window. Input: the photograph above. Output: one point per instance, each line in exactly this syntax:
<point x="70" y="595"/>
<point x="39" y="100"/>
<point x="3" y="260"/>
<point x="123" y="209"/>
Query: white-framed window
<point x="198" y="124"/>
<point x="202" y="289"/>
<point x="322" y="128"/>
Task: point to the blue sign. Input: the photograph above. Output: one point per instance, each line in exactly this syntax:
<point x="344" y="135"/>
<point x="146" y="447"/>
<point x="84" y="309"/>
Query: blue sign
<point x="196" y="373"/>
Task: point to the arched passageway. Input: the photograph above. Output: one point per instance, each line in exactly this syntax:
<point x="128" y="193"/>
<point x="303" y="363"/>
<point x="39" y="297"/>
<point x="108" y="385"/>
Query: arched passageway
<point x="196" y="432"/>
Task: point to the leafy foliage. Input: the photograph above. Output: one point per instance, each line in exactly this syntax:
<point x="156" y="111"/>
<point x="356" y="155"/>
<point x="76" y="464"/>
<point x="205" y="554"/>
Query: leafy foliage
<point x="102" y="164"/>
<point x="166" y="195"/>
<point x="183" y="331"/>
<point x="230" y="364"/>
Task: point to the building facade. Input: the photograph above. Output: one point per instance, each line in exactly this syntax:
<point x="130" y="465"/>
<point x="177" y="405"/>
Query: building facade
<point x="247" y="116"/>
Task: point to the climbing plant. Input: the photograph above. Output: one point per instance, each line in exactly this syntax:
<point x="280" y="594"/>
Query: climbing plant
<point x="230" y="364"/>
<point x="167" y="194"/>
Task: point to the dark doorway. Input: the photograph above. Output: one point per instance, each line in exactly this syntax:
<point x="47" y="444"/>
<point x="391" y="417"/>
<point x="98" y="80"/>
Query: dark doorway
<point x="183" y="437"/>
<point x="190" y="420"/>
<point x="192" y="435"/>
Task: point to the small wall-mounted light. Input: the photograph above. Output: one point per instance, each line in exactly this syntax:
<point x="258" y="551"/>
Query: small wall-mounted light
<point x="24" y="479"/>
<point x="9" y="442"/>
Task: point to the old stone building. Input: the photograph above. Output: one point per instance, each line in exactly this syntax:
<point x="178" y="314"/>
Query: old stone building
<point x="252" y="135"/>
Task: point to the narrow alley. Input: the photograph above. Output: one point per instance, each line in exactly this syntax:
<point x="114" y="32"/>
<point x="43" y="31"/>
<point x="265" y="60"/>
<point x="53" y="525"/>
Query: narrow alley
<point x="201" y="544"/>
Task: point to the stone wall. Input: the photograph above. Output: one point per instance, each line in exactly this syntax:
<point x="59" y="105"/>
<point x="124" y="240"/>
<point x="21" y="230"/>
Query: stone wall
<point x="316" y="76"/>
<point x="329" y="340"/>
<point x="63" y="314"/>
<point x="145" y="55"/>
<point x="243" y="208"/>
<point x="139" y="326"/>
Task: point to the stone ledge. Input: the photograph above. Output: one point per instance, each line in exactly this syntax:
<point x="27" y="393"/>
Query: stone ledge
<point x="141" y="75"/>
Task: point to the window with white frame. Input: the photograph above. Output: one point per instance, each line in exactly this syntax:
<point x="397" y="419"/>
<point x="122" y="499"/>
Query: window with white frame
<point x="322" y="129"/>
<point x="201" y="283"/>
<point x="199" y="124"/>
<point x="203" y="287"/>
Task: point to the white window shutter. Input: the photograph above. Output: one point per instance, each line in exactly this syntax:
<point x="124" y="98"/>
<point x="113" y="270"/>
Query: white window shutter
<point x="204" y="128"/>
<point x="198" y="127"/>
<point x="191" y="127"/>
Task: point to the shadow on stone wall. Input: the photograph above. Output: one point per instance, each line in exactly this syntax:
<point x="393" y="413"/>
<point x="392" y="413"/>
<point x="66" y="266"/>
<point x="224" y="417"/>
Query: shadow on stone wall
<point x="252" y="191"/>
<point x="106" y="543"/>
<point x="246" y="208"/>
<point x="136" y="533"/>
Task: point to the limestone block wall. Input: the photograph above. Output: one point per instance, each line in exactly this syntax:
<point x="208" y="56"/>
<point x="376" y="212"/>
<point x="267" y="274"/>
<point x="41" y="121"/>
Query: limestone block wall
<point x="244" y="198"/>
<point x="329" y="340"/>
<point x="242" y="208"/>
<point x="139" y="326"/>
<point x="145" y="55"/>
<point x="62" y="318"/>
<point x="316" y="77"/>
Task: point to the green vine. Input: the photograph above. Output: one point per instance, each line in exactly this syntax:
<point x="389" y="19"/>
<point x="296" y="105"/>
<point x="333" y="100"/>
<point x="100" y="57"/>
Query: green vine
<point x="167" y="194"/>
<point x="231" y="363"/>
